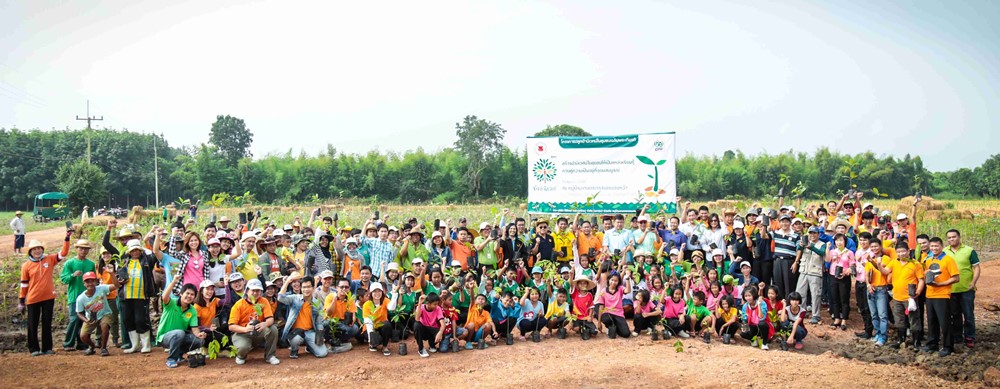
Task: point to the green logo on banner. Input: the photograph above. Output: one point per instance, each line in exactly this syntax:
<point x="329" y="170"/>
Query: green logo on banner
<point x="544" y="170"/>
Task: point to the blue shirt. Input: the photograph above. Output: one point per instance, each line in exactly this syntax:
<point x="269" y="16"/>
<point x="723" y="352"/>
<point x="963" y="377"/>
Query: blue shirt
<point x="669" y="236"/>
<point x="95" y="306"/>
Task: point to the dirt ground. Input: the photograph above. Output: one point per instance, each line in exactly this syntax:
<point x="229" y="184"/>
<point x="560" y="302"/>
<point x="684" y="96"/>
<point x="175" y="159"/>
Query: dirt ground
<point x="831" y="358"/>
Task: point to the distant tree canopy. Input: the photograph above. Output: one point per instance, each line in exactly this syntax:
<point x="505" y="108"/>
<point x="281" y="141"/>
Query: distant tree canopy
<point x="562" y="130"/>
<point x="479" y="166"/>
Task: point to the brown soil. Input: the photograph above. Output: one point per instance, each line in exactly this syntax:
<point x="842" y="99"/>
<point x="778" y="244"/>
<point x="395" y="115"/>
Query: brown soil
<point x="831" y="358"/>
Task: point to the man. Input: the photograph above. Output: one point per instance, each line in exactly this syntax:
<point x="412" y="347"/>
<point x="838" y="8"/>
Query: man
<point x="563" y="238"/>
<point x="672" y="237"/>
<point x="224" y="225"/>
<point x="942" y="273"/>
<point x="325" y="285"/>
<point x="588" y="241"/>
<point x="544" y="246"/>
<point x="878" y="269"/>
<point x="94" y="311"/>
<point x="693" y="230"/>
<point x="37" y="293"/>
<point x="304" y="323"/>
<point x="645" y="236"/>
<point x="250" y="327"/>
<point x="907" y="284"/>
<point x="340" y="311"/>
<point x="413" y="247"/>
<point x="810" y="261"/>
<point x="486" y="246"/>
<point x="963" y="292"/>
<point x="381" y="249"/>
<point x="72" y="276"/>
<point x="271" y="262"/>
<point x="786" y="249"/>
<point x="178" y="330"/>
<point x="17" y="224"/>
<point x="619" y="241"/>
<point x="365" y="282"/>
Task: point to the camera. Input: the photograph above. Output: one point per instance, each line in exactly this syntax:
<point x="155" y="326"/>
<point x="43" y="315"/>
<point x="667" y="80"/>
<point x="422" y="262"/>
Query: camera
<point x="765" y="220"/>
<point x="713" y="246"/>
<point x="918" y="196"/>
<point x="694" y="240"/>
<point x="494" y="233"/>
<point x="376" y="214"/>
<point x="618" y="252"/>
<point x="437" y="224"/>
<point x="851" y="192"/>
<point x="591" y="253"/>
<point x="336" y="217"/>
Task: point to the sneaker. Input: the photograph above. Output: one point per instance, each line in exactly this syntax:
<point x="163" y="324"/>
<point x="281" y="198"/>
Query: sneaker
<point x="469" y="346"/>
<point x="273" y="360"/>
<point x="763" y="346"/>
<point x="970" y="343"/>
<point x="240" y="361"/>
<point x="386" y="352"/>
<point x="36" y="353"/>
<point x="48" y="352"/>
<point x="294" y="354"/>
<point x="433" y="350"/>
<point x="879" y="343"/>
<point x="90" y="351"/>
<point x="635" y="334"/>
<point x="944" y="352"/>
<point x="863" y="335"/>
<point x="814" y="320"/>
<point x="423" y="353"/>
<point x="104" y="352"/>
<point x="798" y="345"/>
<point x="753" y="342"/>
<point x="683" y="334"/>
<point x="372" y="348"/>
<point x="171" y="363"/>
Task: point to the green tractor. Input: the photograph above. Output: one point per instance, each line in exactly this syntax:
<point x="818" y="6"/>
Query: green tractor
<point x="50" y="206"/>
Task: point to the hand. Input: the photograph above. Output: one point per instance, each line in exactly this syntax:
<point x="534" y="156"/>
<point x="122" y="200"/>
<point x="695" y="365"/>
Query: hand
<point x="77" y="273"/>
<point x="201" y="335"/>
<point x="91" y="322"/>
<point x="679" y="199"/>
<point x="20" y="308"/>
<point x="795" y="268"/>
<point x="112" y="223"/>
<point x="506" y="211"/>
<point x="260" y="326"/>
<point x="871" y="289"/>
<point x="257" y="269"/>
<point x="421" y="300"/>
<point x="437" y="339"/>
<point x="858" y="195"/>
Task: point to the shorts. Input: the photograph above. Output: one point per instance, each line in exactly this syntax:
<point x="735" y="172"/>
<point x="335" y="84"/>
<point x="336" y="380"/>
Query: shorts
<point x="96" y="326"/>
<point x="18" y="242"/>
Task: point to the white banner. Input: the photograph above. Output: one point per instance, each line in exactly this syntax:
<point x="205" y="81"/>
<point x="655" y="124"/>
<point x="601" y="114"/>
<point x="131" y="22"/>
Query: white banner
<point x="602" y="174"/>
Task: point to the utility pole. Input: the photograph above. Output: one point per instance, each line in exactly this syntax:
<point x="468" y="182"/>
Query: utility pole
<point x="156" y="174"/>
<point x="89" y="119"/>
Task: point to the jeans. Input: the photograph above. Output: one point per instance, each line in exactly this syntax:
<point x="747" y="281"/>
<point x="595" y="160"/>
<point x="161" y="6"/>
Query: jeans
<point x="345" y="332"/>
<point x="813" y="286"/>
<point x="800" y="333"/>
<point x="244" y="342"/>
<point x="309" y="338"/>
<point x="179" y="342"/>
<point x="73" y="328"/>
<point x="40" y="314"/>
<point x="878" y="303"/>
<point x="861" y="297"/>
<point x="963" y="319"/>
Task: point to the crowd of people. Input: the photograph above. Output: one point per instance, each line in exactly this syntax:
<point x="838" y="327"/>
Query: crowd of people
<point x="758" y="277"/>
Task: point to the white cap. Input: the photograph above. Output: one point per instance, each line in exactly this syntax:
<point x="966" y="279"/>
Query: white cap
<point x="247" y="235"/>
<point x="737" y="224"/>
<point x="791" y="208"/>
<point x="235" y="276"/>
<point x="455" y="262"/>
<point x="350" y="241"/>
<point x="268" y="284"/>
<point x="376" y="286"/>
<point x="278" y="233"/>
<point x="213" y="241"/>
<point x="716" y="252"/>
<point x="901" y="216"/>
<point x="325" y="274"/>
<point x="254" y="284"/>
<point x="867" y="205"/>
<point x="643" y="218"/>
<point x="288" y="227"/>
<point x="436" y="234"/>
<point x="417" y="260"/>
<point x="796" y="220"/>
<point x="205" y="284"/>
<point x="392" y="266"/>
<point x="393" y="228"/>
<point x="675" y="252"/>
<point x="483" y="225"/>
<point x="745" y="263"/>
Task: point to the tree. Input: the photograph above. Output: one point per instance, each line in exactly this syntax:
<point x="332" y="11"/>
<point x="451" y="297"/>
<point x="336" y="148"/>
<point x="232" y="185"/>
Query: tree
<point x="231" y="138"/>
<point x="481" y="142"/>
<point x="988" y="176"/>
<point x="562" y="130"/>
<point x="85" y="183"/>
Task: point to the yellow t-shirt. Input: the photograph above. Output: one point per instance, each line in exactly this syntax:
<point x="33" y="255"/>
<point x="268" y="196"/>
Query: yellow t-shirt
<point x="904" y="274"/>
<point x="564" y="240"/>
<point x="877" y="278"/>
<point x="726" y="315"/>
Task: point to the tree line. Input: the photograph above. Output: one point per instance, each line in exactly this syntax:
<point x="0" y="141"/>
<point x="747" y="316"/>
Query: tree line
<point x="478" y="166"/>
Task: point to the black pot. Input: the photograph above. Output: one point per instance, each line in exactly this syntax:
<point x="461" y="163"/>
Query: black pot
<point x="562" y="333"/>
<point x="784" y="345"/>
<point x="482" y="344"/>
<point x="536" y="337"/>
<point x="656" y="335"/>
<point x="402" y="349"/>
<point x="509" y="339"/>
<point x="454" y="346"/>
<point x="585" y="334"/>
<point x="196" y="360"/>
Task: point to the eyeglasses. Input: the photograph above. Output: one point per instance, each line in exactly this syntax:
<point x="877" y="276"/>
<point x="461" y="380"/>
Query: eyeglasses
<point x="343" y="286"/>
<point x="543" y="227"/>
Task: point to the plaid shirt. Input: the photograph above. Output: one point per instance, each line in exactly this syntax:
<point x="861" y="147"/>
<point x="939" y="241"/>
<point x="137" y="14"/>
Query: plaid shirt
<point x="382" y="252"/>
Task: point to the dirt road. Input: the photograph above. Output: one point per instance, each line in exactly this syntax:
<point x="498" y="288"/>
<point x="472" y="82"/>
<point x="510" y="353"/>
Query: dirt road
<point x="52" y="239"/>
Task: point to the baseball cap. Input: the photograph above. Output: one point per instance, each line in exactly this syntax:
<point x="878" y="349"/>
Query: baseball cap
<point x="235" y="276"/>
<point x="791" y="208"/>
<point x="867" y="205"/>
<point x="737" y="224"/>
<point x="564" y="269"/>
<point x="288" y="227"/>
<point x="643" y="218"/>
<point x="417" y="260"/>
<point x="796" y="220"/>
<point x="675" y="252"/>
<point x="205" y="284"/>
<point x="89" y="276"/>
<point x="784" y="217"/>
<point x="814" y="230"/>
<point x="325" y="274"/>
<point x="536" y="270"/>
<point x="392" y="266"/>
<point x="455" y="262"/>
<point x="484" y="225"/>
<point x="214" y="241"/>
<point x="716" y="252"/>
<point x="254" y="284"/>
<point x="901" y="216"/>
<point x="745" y="263"/>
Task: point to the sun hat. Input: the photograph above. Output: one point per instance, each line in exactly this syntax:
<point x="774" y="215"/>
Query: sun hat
<point x="392" y="266"/>
<point x="223" y="219"/>
<point x="18" y="213"/>
<point x="698" y="253"/>
<point x="89" y="276"/>
<point x="325" y="274"/>
<point x="214" y="241"/>
<point x="83" y="243"/>
<point x="254" y="284"/>
<point x="298" y="238"/>
<point x="206" y="283"/>
<point x="839" y="222"/>
<point x="582" y="278"/>
<point x="133" y="245"/>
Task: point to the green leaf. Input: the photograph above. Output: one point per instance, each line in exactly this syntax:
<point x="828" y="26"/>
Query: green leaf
<point x="661" y="162"/>
<point x="649" y="175"/>
<point x="644" y="160"/>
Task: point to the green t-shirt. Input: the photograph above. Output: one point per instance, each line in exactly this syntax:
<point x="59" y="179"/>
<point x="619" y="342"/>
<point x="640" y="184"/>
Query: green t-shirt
<point x="414" y="251"/>
<point x="488" y="255"/>
<point x="175" y="319"/>
<point x="74" y="285"/>
<point x="700" y="311"/>
<point x="408" y="301"/>
<point x="460" y="304"/>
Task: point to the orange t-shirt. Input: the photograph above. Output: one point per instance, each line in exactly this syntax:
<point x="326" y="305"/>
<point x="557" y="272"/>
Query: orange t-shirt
<point x="460" y="252"/>
<point x="243" y="312"/>
<point x="340" y="307"/>
<point x="106" y="279"/>
<point x="37" y="284"/>
<point x="478" y="317"/>
<point x="207" y="313"/>
<point x="948" y="270"/>
<point x="585" y="243"/>
<point x="304" y="321"/>
<point x="377" y="315"/>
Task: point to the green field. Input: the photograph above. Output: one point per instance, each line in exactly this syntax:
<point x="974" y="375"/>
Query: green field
<point x="30" y="225"/>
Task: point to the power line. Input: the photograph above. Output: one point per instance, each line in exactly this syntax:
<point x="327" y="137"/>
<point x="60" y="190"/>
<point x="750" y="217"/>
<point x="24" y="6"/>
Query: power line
<point x="89" y="119"/>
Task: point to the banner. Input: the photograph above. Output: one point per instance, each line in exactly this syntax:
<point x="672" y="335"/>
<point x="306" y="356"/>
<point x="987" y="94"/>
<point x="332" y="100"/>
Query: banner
<point x="602" y="174"/>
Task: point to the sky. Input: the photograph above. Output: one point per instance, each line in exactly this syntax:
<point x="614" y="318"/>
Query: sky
<point x="892" y="77"/>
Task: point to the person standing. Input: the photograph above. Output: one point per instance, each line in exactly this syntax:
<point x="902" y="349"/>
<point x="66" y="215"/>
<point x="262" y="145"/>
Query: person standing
<point x="810" y="262"/>
<point x="17" y="224"/>
<point x="37" y="293"/>
<point x="942" y="273"/>
<point x="72" y="276"/>
<point x="878" y="270"/>
<point x="786" y="248"/>
<point x="963" y="292"/>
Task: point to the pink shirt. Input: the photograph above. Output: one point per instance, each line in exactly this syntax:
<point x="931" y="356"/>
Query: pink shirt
<point x="859" y="265"/>
<point x="430" y="319"/>
<point x="843" y="259"/>
<point x="673" y="310"/>
<point x="648" y="307"/>
<point x="712" y="302"/>
<point x="612" y="302"/>
<point x="194" y="271"/>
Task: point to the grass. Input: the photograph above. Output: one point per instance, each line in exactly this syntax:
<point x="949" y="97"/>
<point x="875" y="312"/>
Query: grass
<point x="29" y="224"/>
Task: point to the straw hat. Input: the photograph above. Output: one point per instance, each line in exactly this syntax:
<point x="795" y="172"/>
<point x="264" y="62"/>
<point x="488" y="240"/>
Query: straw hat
<point x="839" y="222"/>
<point x="83" y="243"/>
<point x="34" y="243"/>
<point x="582" y="278"/>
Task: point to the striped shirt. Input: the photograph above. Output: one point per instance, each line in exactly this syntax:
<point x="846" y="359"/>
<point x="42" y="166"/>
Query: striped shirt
<point x="134" y="287"/>
<point x="785" y="243"/>
<point x="382" y="252"/>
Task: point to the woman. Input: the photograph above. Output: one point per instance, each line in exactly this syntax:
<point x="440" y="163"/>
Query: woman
<point x="376" y="318"/>
<point x="511" y="247"/>
<point x="217" y="259"/>
<point x="715" y="234"/>
<point x="352" y="261"/>
<point x="611" y="299"/>
<point x="138" y="289"/>
<point x="300" y="244"/>
<point x="193" y="268"/>
<point x="440" y="253"/>
<point x="841" y="261"/>
<point x="37" y="293"/>
<point x="532" y="317"/>
<point x="754" y="314"/>
<point x="207" y="305"/>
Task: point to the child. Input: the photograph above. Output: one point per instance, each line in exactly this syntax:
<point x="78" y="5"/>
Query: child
<point x="725" y="319"/>
<point x="92" y="308"/>
<point x="505" y="312"/>
<point x="754" y="314"/>
<point x="713" y="296"/>
<point x="647" y="313"/>
<point x="107" y="274"/>
<point x="479" y="323"/>
<point x="532" y="313"/>
<point x="452" y="331"/>
<point x="792" y="319"/>
<point x="429" y="325"/>
<point x="774" y="304"/>
<point x="611" y="299"/>
<point x="673" y="310"/>
<point x="556" y="315"/>
<point x="699" y="315"/>
<point x="583" y="306"/>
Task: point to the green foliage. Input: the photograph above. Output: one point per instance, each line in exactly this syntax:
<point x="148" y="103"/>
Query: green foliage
<point x="85" y="183"/>
<point x="562" y="130"/>
<point x="481" y="142"/>
<point x="231" y="138"/>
